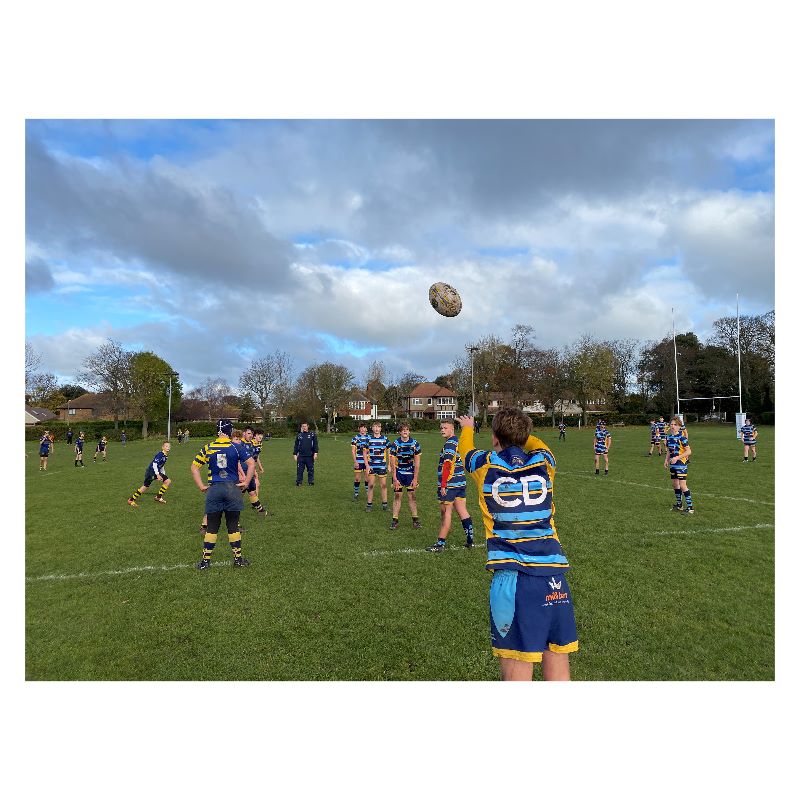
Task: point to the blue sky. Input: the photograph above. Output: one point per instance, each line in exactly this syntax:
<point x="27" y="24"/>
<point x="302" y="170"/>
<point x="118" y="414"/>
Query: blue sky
<point x="213" y="241"/>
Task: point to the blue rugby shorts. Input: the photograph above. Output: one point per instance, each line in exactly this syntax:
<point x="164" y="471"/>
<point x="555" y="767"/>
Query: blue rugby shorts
<point x="530" y="614"/>
<point x="453" y="493"/>
<point x="223" y="496"/>
<point x="405" y="479"/>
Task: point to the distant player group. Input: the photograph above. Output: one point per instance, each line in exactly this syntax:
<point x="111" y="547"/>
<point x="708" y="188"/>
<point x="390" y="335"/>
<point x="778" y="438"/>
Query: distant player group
<point x="375" y="457"/>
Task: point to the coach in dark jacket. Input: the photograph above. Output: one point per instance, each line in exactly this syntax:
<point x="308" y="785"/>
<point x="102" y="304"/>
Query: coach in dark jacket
<point x="305" y="453"/>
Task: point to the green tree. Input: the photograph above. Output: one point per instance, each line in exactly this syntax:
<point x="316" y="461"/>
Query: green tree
<point x="590" y="371"/>
<point x="150" y="381"/>
<point x="247" y="408"/>
<point x="71" y="390"/>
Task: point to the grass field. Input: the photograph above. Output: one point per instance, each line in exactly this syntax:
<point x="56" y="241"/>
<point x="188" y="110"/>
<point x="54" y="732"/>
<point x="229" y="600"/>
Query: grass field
<point x="332" y="594"/>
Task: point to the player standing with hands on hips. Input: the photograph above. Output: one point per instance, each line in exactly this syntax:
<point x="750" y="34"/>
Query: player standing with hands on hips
<point x="306" y="449"/>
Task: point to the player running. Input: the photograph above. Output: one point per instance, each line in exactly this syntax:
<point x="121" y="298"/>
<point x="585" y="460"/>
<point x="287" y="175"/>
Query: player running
<point x="404" y="455"/>
<point x="749" y="436"/>
<point x="155" y="472"/>
<point x="357" y="445"/>
<point x="677" y="461"/>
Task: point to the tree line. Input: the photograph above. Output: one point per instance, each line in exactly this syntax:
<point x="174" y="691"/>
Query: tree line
<point x="627" y="375"/>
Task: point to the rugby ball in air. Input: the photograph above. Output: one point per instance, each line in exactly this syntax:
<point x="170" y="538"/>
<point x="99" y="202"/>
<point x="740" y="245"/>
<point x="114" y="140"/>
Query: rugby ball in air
<point x="445" y="299"/>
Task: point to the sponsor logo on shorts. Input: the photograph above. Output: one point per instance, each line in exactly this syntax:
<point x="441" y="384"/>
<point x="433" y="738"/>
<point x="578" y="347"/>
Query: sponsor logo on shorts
<point x="556" y="596"/>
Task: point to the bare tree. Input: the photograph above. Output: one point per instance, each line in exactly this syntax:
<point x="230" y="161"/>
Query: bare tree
<point x="214" y="393"/>
<point x="32" y="362"/>
<point x="334" y="382"/>
<point x="398" y="391"/>
<point x="268" y="380"/>
<point x="41" y="386"/>
<point x="109" y="370"/>
<point x="375" y="383"/>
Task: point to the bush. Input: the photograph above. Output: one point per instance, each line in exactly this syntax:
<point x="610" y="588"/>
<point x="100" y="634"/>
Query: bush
<point x="93" y="429"/>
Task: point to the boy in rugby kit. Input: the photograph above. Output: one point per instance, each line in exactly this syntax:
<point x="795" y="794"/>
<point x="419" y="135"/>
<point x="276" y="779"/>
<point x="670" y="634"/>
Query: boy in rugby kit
<point x="357" y="445"/>
<point x="253" y="450"/>
<point x="155" y="472"/>
<point x="562" y="431"/>
<point x="452" y="489"/>
<point x="79" y="450"/>
<point x="44" y="451"/>
<point x="654" y="438"/>
<point x="404" y="453"/>
<point x="749" y="436"/>
<point x="101" y="448"/>
<point x="375" y="455"/>
<point x="677" y="461"/>
<point x="530" y="604"/>
<point x="602" y="444"/>
<point x="223" y="457"/>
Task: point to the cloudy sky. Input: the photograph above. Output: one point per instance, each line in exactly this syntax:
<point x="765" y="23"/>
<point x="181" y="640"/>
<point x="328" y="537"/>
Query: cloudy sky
<point x="214" y="242"/>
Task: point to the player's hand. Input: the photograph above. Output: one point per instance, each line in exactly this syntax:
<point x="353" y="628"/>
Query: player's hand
<point x="414" y="484"/>
<point x="295" y="458"/>
<point x="242" y="485"/>
<point x="466" y="421"/>
<point x="396" y="485"/>
<point x="160" y="478"/>
<point x="443" y="491"/>
<point x="203" y="488"/>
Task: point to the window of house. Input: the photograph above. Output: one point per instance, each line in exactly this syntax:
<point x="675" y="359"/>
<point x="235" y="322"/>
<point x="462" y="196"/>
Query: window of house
<point x="430" y="401"/>
<point x="416" y="401"/>
<point x="71" y="411"/>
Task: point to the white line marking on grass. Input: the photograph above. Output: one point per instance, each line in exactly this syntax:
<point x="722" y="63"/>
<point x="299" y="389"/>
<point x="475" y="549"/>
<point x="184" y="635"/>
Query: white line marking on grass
<point x="606" y="479"/>
<point x="126" y="571"/>
<point x="715" y="530"/>
<point x="410" y="550"/>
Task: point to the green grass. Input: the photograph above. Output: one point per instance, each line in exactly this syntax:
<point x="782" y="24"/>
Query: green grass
<point x="332" y="594"/>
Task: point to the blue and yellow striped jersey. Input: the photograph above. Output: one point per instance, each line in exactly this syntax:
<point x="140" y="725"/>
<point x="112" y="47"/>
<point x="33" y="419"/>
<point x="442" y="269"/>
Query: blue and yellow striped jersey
<point x="449" y="452"/>
<point x="360" y="441"/>
<point x="404" y="453"/>
<point x="515" y="492"/>
<point x="676" y="446"/>
<point x="662" y="427"/>
<point x="377" y="446"/>
<point x="222" y="456"/>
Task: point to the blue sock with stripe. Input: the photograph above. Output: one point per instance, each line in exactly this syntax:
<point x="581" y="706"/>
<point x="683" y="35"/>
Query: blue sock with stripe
<point x="467" y="523"/>
<point x="678" y="497"/>
<point x="688" y="495"/>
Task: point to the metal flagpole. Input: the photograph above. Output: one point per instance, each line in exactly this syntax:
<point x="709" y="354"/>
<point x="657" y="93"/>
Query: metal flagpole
<point x="169" y="409"/>
<point x="675" y="349"/>
<point x="739" y="352"/>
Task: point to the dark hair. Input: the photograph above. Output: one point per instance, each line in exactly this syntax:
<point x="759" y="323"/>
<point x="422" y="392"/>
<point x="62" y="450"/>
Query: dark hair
<point x="511" y="427"/>
<point x="257" y="431"/>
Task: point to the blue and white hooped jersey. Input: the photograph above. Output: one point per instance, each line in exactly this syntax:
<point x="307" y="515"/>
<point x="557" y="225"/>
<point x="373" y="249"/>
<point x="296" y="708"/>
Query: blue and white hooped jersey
<point x="404" y="453"/>
<point x="662" y="428"/>
<point x="601" y="437"/>
<point x="676" y="446"/>
<point x="749" y="433"/>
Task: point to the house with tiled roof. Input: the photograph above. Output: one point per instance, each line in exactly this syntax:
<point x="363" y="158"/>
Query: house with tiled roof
<point x="35" y="416"/>
<point x="92" y="405"/>
<point x="431" y="401"/>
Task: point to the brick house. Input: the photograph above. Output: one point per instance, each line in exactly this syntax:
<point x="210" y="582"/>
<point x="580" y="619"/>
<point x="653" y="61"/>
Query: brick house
<point x="498" y="400"/>
<point x="431" y="401"/>
<point x="92" y="405"/>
